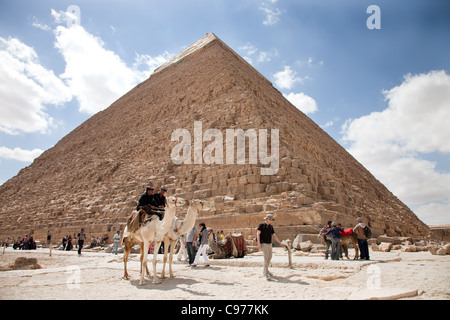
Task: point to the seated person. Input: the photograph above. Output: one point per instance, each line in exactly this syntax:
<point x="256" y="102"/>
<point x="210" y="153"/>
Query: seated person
<point x="149" y="204"/>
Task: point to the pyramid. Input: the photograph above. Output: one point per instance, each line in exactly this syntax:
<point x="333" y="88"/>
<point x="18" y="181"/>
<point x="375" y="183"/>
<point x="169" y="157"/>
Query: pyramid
<point x="93" y="177"/>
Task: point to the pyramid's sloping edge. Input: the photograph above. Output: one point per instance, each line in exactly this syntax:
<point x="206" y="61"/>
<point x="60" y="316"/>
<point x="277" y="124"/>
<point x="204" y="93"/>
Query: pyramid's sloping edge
<point x="192" y="48"/>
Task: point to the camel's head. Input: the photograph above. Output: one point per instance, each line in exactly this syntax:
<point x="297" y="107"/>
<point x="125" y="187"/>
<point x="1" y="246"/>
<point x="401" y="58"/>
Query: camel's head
<point x="197" y="204"/>
<point x="174" y="201"/>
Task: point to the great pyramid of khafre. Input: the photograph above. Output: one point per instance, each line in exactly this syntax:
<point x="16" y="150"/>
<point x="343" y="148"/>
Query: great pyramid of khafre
<point x="93" y="177"/>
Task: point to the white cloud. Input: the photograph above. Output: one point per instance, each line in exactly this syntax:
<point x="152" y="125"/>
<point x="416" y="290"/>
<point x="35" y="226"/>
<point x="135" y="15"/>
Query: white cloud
<point x="248" y="49"/>
<point x="20" y="154"/>
<point x="272" y="13"/>
<point x="303" y="102"/>
<point x="26" y="88"/>
<point x="310" y="62"/>
<point x="434" y="213"/>
<point x="93" y="75"/>
<point x="148" y="64"/>
<point x="39" y="25"/>
<point x="63" y="17"/>
<point x="249" y="52"/>
<point x="328" y="124"/>
<point x="97" y="76"/>
<point x="392" y="143"/>
<point x="287" y="78"/>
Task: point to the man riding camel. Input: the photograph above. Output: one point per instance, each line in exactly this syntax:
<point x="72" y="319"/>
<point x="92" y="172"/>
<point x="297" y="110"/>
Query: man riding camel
<point x="159" y="199"/>
<point x="151" y="203"/>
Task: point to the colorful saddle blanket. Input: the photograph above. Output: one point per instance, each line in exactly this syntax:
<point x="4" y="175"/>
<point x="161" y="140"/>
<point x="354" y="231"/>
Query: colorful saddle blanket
<point x="347" y="232"/>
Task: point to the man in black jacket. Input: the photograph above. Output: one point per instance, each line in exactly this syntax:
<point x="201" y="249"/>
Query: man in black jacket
<point x="159" y="199"/>
<point x="148" y="203"/>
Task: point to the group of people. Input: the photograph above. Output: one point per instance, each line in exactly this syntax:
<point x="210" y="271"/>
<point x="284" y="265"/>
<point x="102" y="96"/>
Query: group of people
<point x="67" y="241"/>
<point x="331" y="234"/>
<point x="153" y="203"/>
<point x="21" y="243"/>
<point x="196" y="244"/>
<point x="99" y="241"/>
<point x="220" y="236"/>
<point x="196" y="241"/>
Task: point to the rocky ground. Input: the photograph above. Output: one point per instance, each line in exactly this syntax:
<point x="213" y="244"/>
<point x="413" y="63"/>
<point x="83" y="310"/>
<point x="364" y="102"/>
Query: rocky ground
<point x="98" y="275"/>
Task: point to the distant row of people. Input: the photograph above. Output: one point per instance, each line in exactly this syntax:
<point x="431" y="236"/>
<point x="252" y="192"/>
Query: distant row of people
<point x="21" y="243"/>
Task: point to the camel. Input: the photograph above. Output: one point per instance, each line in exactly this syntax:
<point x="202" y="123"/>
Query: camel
<point x="345" y="240"/>
<point x="152" y="231"/>
<point x="178" y="228"/>
<point x="229" y="244"/>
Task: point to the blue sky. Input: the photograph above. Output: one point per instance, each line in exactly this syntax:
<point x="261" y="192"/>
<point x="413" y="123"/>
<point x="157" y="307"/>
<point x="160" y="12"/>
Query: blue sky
<point x="383" y="94"/>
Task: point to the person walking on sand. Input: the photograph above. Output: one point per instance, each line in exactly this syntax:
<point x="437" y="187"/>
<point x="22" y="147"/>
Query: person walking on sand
<point x="81" y="238"/>
<point x="203" y="246"/>
<point x="264" y="235"/>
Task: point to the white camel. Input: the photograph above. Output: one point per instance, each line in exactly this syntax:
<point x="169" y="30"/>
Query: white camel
<point x="178" y="228"/>
<point x="152" y="231"/>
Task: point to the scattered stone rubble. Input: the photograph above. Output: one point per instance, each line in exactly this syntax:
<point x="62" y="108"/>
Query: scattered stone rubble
<point x="383" y="243"/>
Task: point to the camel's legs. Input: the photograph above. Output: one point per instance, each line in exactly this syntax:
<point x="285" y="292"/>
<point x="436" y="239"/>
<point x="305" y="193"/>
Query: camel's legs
<point x="127" y="249"/>
<point x="166" y="249"/>
<point x="144" y="254"/>
<point x="155" y="259"/>
<point x="172" y="251"/>
<point x="168" y="252"/>
<point x="125" y="259"/>
<point x="355" y="245"/>
<point x="142" y="257"/>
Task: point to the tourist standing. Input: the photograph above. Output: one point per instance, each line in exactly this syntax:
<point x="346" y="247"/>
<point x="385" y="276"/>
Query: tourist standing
<point x="69" y="245"/>
<point x="362" y="239"/>
<point x="49" y="238"/>
<point x="25" y="242"/>
<point x="191" y="237"/>
<point x="335" y="240"/>
<point x="81" y="238"/>
<point x="116" y="242"/>
<point x="203" y="246"/>
<point x="264" y="235"/>
<point x="49" y="242"/>
<point x="326" y="238"/>
<point x="182" y="254"/>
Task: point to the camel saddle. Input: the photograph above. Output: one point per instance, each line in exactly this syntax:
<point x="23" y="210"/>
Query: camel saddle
<point x="140" y="218"/>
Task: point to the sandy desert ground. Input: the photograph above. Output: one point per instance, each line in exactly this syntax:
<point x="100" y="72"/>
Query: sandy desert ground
<point x="98" y="275"/>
